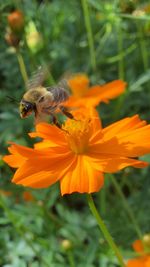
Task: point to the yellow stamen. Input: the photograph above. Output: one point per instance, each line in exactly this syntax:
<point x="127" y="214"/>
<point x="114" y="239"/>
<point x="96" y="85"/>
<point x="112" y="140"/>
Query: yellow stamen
<point x="77" y="134"/>
<point x="79" y="85"/>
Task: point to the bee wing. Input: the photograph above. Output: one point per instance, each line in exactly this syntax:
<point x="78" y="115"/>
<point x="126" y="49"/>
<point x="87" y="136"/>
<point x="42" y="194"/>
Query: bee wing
<point x="37" y="78"/>
<point x="63" y="82"/>
<point x="59" y="93"/>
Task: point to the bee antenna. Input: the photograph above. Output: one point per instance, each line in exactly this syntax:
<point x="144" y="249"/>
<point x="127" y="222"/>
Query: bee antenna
<point x="12" y="99"/>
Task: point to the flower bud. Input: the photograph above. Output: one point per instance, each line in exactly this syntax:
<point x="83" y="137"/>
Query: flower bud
<point x="146" y="240"/>
<point x="12" y="39"/>
<point x="16" y="21"/>
<point x="33" y="38"/>
<point x="66" y="244"/>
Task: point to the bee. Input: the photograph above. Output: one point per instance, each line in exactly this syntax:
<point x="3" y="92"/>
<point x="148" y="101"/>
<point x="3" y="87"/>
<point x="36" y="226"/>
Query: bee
<point x="43" y="101"/>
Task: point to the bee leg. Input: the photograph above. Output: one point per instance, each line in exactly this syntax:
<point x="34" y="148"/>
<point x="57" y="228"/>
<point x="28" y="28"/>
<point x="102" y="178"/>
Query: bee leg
<point x="55" y="121"/>
<point x="65" y="111"/>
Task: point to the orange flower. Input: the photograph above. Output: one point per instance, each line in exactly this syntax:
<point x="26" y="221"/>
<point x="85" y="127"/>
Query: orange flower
<point x="84" y="95"/>
<point x="79" y="153"/>
<point x="143" y="248"/>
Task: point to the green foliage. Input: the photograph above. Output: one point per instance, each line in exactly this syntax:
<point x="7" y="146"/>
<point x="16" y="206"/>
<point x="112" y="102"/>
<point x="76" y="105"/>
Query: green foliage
<point x="32" y="233"/>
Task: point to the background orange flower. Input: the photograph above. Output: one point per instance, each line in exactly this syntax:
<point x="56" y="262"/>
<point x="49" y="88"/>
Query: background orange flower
<point x="91" y="96"/>
<point x="143" y="248"/>
<point x="141" y="262"/>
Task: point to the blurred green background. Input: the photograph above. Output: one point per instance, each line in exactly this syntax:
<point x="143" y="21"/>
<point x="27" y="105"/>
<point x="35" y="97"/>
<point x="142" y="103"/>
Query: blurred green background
<point x="107" y="40"/>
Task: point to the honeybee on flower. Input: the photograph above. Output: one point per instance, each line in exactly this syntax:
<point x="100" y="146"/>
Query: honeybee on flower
<point x="43" y="101"/>
<point x="46" y="101"/>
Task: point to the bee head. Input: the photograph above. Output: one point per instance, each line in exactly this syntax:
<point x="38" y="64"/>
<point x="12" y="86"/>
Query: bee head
<point x="26" y="108"/>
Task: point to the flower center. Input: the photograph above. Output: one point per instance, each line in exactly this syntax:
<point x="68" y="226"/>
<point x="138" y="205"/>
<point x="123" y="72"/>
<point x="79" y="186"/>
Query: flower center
<point x="77" y="134"/>
<point x="79" y="85"/>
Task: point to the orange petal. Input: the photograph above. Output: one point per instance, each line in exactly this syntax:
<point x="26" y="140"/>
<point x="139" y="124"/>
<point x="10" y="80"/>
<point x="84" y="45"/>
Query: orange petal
<point x="136" y="263"/>
<point x="49" y="132"/>
<point x="95" y="121"/>
<point x="14" y="161"/>
<point x="110" y="163"/>
<point x="130" y="146"/>
<point x="128" y="138"/>
<point x="78" y="84"/>
<point x="40" y="179"/>
<point x="97" y="93"/>
<point x="137" y="141"/>
<point x="23" y="151"/>
<point x="42" y="163"/>
<point x="147" y="262"/>
<point x="82" y="102"/>
<point x="122" y="163"/>
<point x="81" y="178"/>
<point x="44" y="144"/>
<point x="43" y="172"/>
<point x="123" y="126"/>
<point x="107" y="91"/>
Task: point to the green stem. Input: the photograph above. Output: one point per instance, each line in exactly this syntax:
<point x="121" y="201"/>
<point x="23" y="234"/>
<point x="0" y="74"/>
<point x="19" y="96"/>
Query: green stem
<point x="143" y="48"/>
<point x="102" y="197"/>
<point x="104" y="230"/>
<point x="70" y="258"/>
<point x="120" y="51"/>
<point x="22" y="67"/>
<point x="121" y="68"/>
<point x="89" y="33"/>
<point x="126" y="206"/>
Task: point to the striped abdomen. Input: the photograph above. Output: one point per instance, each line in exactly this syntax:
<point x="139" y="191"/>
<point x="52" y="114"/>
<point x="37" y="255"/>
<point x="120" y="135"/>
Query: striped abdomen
<point x="60" y="95"/>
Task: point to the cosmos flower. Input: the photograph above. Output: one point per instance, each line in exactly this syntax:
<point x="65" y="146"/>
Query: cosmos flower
<point x="78" y="154"/>
<point x="143" y="249"/>
<point x="84" y="95"/>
